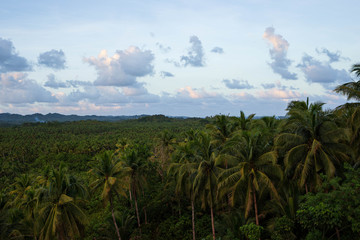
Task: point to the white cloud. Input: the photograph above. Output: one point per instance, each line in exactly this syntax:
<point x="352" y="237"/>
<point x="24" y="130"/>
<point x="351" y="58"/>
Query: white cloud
<point x="54" y="59"/>
<point x="123" y="68"/>
<point x="195" y="56"/>
<point x="278" y="54"/>
<point x="10" y="61"/>
<point x="322" y="72"/>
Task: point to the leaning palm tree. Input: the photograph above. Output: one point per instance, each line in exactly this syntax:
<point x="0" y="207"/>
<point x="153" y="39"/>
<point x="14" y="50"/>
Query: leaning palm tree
<point x="60" y="208"/>
<point x="351" y="89"/>
<point x="312" y="144"/>
<point x="107" y="176"/>
<point x="256" y="172"/>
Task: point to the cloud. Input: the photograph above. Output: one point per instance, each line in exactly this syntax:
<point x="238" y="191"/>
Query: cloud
<point x="237" y="84"/>
<point x="76" y="83"/>
<point x="218" y="50"/>
<point x="333" y="56"/>
<point x="195" y="57"/>
<point x="16" y="88"/>
<point x="322" y="72"/>
<point x="164" y="49"/>
<point x="123" y="68"/>
<point x="10" y="61"/>
<point x="54" y="59"/>
<point x="278" y="52"/>
<point x="279" y="94"/>
<point x="268" y="85"/>
<point x="53" y="83"/>
<point x="164" y="74"/>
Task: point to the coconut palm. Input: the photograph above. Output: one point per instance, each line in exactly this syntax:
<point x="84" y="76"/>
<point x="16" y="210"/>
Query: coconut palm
<point x="351" y="89"/>
<point x="206" y="179"/>
<point x="185" y="170"/>
<point x="312" y="143"/>
<point x="134" y="166"/>
<point x="107" y="176"/>
<point x="255" y="173"/>
<point x="60" y="208"/>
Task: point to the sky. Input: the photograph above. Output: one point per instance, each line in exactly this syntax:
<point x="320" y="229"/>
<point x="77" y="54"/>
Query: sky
<point x="177" y="58"/>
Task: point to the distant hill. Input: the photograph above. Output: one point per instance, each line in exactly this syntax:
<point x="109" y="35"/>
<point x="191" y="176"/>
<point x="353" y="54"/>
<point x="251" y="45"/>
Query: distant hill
<point x="17" y="119"/>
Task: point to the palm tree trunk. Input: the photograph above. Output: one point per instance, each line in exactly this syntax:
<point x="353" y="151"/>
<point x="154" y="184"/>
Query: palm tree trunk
<point x="337" y="233"/>
<point x="256" y="210"/>
<point x="114" y="220"/>
<point x="137" y="211"/>
<point x="212" y="222"/>
<point x="193" y="217"/>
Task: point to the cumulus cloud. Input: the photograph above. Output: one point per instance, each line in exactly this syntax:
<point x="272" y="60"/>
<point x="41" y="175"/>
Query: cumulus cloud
<point x="10" y="61"/>
<point x="278" y="54"/>
<point x="54" y="59"/>
<point x="322" y="72"/>
<point x="195" y="56"/>
<point x="123" y="68"/>
<point x="237" y="84"/>
<point x="52" y="82"/>
<point x="164" y="74"/>
<point x="16" y="88"/>
<point x="218" y="50"/>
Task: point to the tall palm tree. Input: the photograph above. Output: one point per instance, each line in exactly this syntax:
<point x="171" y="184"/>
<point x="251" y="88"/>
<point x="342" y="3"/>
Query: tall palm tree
<point x="107" y="175"/>
<point x="185" y="170"/>
<point x="312" y="143"/>
<point x="256" y="172"/>
<point x="134" y="163"/>
<point x="60" y="209"/>
<point x="206" y="179"/>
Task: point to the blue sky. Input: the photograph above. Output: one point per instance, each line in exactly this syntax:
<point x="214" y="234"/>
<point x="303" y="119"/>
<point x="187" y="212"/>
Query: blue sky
<point x="179" y="58"/>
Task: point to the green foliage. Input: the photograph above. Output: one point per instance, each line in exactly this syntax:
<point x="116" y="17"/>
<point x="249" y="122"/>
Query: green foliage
<point x="283" y="229"/>
<point x="251" y="231"/>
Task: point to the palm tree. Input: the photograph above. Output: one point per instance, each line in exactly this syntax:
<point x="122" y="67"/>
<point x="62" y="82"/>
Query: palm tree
<point x="134" y="167"/>
<point x="60" y="209"/>
<point x="312" y="144"/>
<point x="206" y="179"/>
<point x="185" y="170"/>
<point x="256" y="172"/>
<point x="244" y="123"/>
<point x="351" y="89"/>
<point x="108" y="178"/>
<point x="22" y="184"/>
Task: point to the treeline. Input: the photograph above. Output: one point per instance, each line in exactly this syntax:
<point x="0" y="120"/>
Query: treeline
<point x="217" y="178"/>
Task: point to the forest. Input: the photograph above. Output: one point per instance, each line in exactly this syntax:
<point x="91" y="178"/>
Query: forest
<point x="216" y="178"/>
